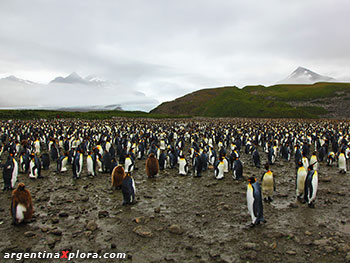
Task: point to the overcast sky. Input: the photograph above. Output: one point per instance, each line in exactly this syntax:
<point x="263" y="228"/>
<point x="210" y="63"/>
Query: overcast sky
<point x="166" y="49"/>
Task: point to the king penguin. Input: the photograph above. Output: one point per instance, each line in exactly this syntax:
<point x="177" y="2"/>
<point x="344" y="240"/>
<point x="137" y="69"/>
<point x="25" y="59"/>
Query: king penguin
<point x="128" y="189"/>
<point x="183" y="166"/>
<point x="310" y="189"/>
<point x="219" y="168"/>
<point x="268" y="184"/>
<point x="9" y="174"/>
<point x="91" y="164"/>
<point x="129" y="164"/>
<point x="21" y="205"/>
<point x="34" y="167"/>
<point x="300" y="181"/>
<point x="254" y="201"/>
<point x="62" y="163"/>
<point x="342" y="162"/>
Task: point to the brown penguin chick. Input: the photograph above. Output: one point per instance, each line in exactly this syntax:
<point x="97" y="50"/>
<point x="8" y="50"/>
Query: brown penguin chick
<point x="152" y="166"/>
<point x="118" y="175"/>
<point x="21" y="205"/>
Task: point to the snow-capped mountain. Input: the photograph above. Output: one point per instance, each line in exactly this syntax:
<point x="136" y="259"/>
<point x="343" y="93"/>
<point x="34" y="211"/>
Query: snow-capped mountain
<point x="17" y="80"/>
<point x="74" y="78"/>
<point x="305" y="76"/>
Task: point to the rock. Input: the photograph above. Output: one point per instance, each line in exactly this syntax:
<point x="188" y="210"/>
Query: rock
<point x="157" y="210"/>
<point x="293" y="205"/>
<point x="88" y="233"/>
<point x="252" y="255"/>
<point x="92" y="226"/>
<point x="275" y="234"/>
<point x="51" y="242"/>
<point x="55" y="220"/>
<point x="113" y="246"/>
<point x="56" y="232"/>
<point x="143" y="231"/>
<point x="102" y="214"/>
<point x="250" y="246"/>
<point x="226" y="207"/>
<point x="321" y="242"/>
<point x="141" y="220"/>
<point x="326" y="179"/>
<point x="85" y="199"/>
<point x="44" y="229"/>
<point x="329" y="249"/>
<point x="29" y="234"/>
<point x="291" y="252"/>
<point x="63" y="214"/>
<point x="308" y="233"/>
<point x="176" y="229"/>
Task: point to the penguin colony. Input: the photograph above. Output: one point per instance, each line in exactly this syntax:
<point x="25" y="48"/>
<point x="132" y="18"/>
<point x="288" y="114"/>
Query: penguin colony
<point x="117" y="147"/>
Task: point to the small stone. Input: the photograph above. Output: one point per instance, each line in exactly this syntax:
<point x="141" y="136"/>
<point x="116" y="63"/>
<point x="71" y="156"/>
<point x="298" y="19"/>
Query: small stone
<point x="143" y="231"/>
<point x="85" y="199"/>
<point x="157" y="210"/>
<point x="102" y="214"/>
<point x="226" y="207"/>
<point x="44" y="229"/>
<point x="92" y="226"/>
<point x="113" y="246"/>
<point x="55" y="220"/>
<point x="56" y="232"/>
<point x="291" y="252"/>
<point x="29" y="234"/>
<point x="88" y="233"/>
<point x="321" y="242"/>
<point x="63" y="214"/>
<point x="326" y="179"/>
<point x="329" y="249"/>
<point x="250" y="246"/>
<point x="308" y="233"/>
<point x="176" y="229"/>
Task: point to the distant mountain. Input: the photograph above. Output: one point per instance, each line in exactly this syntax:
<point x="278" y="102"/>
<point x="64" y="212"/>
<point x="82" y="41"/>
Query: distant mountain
<point x="18" y="80"/>
<point x="73" y="78"/>
<point x="305" y="76"/>
<point x="113" y="107"/>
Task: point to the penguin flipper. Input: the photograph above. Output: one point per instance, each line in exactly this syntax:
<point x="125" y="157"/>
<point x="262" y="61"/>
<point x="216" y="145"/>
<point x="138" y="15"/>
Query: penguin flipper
<point x="13" y="212"/>
<point x="257" y="206"/>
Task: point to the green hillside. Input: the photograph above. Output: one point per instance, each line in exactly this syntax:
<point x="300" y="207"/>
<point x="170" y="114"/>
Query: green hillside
<point x="259" y="101"/>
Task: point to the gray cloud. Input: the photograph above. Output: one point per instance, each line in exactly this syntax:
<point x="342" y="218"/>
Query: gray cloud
<point x="168" y="48"/>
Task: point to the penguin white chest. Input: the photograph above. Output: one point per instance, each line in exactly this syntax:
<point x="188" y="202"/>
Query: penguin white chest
<point x="20" y="210"/>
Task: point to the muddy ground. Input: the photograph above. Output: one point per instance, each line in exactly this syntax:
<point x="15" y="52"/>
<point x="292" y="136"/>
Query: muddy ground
<point x="211" y="218"/>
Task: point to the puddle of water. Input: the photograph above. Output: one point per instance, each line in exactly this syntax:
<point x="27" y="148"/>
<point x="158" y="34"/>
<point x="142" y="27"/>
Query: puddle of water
<point x="283" y="205"/>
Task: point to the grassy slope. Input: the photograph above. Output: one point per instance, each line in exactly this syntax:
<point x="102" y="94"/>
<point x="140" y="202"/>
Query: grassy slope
<point x="254" y="101"/>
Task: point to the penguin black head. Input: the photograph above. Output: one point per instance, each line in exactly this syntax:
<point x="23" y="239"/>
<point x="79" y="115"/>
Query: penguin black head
<point x="311" y="167"/>
<point x="266" y="166"/>
<point x="252" y="180"/>
<point x="300" y="164"/>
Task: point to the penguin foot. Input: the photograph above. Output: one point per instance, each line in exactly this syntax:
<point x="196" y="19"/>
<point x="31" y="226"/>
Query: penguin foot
<point x="265" y="199"/>
<point x="311" y="205"/>
<point x="270" y="199"/>
<point x="251" y="225"/>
